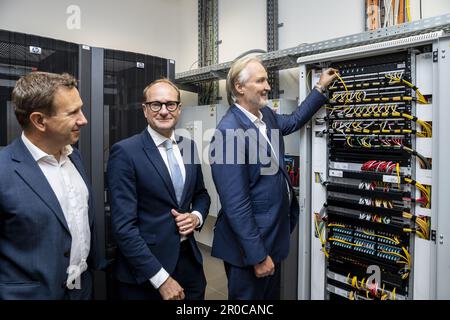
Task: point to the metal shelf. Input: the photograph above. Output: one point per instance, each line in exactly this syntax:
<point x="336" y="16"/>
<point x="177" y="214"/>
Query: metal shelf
<point x="287" y="58"/>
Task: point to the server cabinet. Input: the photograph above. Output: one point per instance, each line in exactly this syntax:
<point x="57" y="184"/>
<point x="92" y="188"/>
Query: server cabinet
<point x="21" y="54"/>
<point x="110" y="84"/>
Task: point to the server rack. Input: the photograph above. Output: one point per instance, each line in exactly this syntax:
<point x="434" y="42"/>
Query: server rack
<point x="372" y="194"/>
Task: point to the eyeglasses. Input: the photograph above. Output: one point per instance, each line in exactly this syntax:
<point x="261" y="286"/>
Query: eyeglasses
<point x="155" y="106"/>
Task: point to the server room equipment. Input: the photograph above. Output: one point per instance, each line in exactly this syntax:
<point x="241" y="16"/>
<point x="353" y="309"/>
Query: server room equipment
<point x="374" y="193"/>
<point x="110" y="84"/>
<point x="199" y="122"/>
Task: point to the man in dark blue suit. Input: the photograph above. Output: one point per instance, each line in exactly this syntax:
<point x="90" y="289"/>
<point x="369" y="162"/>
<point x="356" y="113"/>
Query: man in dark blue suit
<point x="259" y="208"/>
<point x="158" y="199"/>
<point x="47" y="234"/>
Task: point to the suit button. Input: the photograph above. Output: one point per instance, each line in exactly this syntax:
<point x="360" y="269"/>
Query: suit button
<point x="67" y="254"/>
<point x="63" y="285"/>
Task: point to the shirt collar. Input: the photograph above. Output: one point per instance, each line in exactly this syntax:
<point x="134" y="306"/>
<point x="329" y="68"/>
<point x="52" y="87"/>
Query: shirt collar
<point x="251" y="116"/>
<point x="38" y="154"/>
<point x="159" y="138"/>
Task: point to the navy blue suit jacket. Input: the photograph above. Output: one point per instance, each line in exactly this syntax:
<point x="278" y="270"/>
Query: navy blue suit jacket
<point x="35" y="241"/>
<point x="256" y="218"/>
<point x="142" y="196"/>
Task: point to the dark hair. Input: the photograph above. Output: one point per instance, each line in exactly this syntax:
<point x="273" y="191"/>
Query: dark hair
<point x="163" y="80"/>
<point x="36" y="91"/>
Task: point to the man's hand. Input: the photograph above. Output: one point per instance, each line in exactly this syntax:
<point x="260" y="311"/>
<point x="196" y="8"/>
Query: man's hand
<point x="327" y="77"/>
<point x="186" y="222"/>
<point x="265" y="268"/>
<point x="171" y="290"/>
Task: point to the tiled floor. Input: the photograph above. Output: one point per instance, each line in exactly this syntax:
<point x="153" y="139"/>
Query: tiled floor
<point x="216" y="288"/>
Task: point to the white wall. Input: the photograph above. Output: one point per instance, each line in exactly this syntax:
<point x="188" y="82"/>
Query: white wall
<point x="311" y="21"/>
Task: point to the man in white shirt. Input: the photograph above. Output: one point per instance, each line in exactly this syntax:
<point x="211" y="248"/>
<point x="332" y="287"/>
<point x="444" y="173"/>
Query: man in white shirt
<point x="46" y="227"/>
<point x="158" y="199"/>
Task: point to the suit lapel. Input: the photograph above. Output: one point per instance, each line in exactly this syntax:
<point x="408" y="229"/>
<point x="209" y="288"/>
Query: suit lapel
<point x="152" y="152"/>
<point x="32" y="175"/>
<point x="79" y="166"/>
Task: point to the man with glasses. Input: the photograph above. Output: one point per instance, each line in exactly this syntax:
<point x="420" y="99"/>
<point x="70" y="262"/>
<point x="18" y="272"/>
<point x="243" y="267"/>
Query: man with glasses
<point x="158" y="199"/>
<point x="47" y="234"/>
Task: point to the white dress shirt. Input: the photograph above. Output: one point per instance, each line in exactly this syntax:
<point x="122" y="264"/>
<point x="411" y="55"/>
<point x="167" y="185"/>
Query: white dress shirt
<point x="158" y="279"/>
<point x="261" y="125"/>
<point x="73" y="197"/>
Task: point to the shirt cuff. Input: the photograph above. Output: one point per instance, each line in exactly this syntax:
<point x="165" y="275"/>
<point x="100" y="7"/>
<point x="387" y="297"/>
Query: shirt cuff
<point x="158" y="279"/>
<point x="200" y="218"/>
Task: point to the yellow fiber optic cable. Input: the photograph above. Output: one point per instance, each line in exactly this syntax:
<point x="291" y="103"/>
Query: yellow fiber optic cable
<point x="323" y="242"/>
